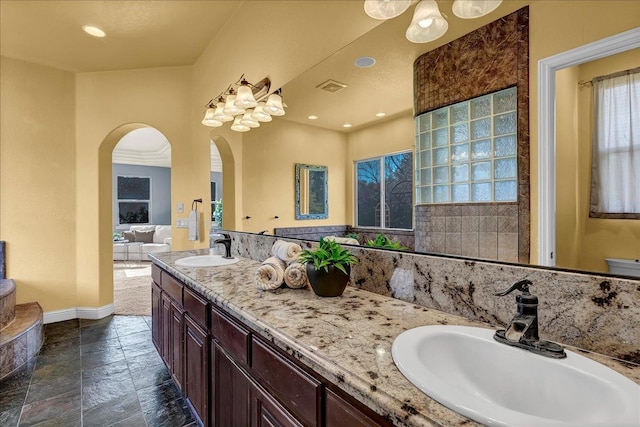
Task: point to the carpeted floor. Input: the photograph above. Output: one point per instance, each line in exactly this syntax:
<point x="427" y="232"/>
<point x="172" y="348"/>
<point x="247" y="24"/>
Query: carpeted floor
<point x="132" y="288"/>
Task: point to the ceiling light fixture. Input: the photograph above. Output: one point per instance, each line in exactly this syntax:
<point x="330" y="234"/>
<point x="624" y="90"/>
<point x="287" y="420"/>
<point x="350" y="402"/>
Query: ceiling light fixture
<point x="385" y="9"/>
<point x="469" y="9"/>
<point x="93" y="31"/>
<point x="427" y="23"/>
<point x="245" y="106"/>
<point x="381" y="114"/>
<point x="312" y="117"/>
<point x="347" y="125"/>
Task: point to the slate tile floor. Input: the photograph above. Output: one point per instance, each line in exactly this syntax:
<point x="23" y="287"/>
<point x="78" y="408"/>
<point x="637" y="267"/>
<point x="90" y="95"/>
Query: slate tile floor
<point x="94" y="373"/>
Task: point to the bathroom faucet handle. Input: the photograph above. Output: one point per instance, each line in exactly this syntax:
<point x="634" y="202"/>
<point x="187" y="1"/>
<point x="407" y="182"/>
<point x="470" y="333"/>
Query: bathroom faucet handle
<point x="522" y="286"/>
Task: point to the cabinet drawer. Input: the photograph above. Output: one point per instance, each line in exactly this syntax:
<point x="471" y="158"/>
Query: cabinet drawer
<point x="232" y="337"/>
<point x="299" y="392"/>
<point x="172" y="287"/>
<point x="196" y="306"/>
<point x="155" y="273"/>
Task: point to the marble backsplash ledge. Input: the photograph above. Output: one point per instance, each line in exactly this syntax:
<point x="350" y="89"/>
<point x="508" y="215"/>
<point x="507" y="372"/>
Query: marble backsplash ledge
<point x="593" y="312"/>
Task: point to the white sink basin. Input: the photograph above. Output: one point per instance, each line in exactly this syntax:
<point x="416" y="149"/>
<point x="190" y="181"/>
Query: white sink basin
<point x="465" y="369"/>
<point x="205" y="261"/>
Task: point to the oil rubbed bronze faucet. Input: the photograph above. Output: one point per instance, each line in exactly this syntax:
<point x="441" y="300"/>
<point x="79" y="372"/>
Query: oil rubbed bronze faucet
<point x="226" y="241"/>
<point x="522" y="332"/>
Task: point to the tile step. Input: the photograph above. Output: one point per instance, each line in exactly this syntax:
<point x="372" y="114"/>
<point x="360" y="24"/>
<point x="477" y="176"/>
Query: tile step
<point x="7" y="302"/>
<point x="21" y="339"/>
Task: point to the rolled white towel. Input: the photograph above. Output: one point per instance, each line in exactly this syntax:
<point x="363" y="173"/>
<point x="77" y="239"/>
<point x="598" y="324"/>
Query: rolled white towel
<point x="295" y="275"/>
<point x="286" y="251"/>
<point x="270" y="274"/>
<point x="345" y="240"/>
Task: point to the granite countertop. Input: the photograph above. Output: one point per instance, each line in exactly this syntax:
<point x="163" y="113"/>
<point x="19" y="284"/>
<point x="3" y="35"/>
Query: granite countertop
<point x="347" y="339"/>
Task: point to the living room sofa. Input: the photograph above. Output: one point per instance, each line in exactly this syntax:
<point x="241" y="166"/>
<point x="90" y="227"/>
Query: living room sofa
<point x="153" y="239"/>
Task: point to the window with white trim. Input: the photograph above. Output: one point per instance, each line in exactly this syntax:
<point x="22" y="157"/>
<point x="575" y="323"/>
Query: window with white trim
<point x="615" y="178"/>
<point x="134" y="199"/>
<point x="467" y="152"/>
<point x="384" y="191"/>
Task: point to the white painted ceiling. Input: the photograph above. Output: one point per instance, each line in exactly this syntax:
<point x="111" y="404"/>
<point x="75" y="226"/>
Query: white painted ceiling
<point x="144" y="146"/>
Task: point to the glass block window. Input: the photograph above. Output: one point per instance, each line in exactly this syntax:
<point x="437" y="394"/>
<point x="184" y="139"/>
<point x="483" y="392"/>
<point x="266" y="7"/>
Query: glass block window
<point x="466" y="152"/>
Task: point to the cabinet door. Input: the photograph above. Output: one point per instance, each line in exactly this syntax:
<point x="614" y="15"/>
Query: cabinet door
<point x="196" y="372"/>
<point x="156" y="315"/>
<point x="340" y="413"/>
<point x="231" y="392"/>
<point x="177" y="345"/>
<point x="268" y="412"/>
<point x="165" y="329"/>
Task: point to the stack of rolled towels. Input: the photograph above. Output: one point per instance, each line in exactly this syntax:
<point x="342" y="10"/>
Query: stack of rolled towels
<point x="283" y="266"/>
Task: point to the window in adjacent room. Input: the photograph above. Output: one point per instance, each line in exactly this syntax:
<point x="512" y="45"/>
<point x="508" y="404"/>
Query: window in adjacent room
<point x="467" y="152"/>
<point x="384" y="191"/>
<point x="134" y="199"/>
<point x="615" y="175"/>
<point x="213" y="200"/>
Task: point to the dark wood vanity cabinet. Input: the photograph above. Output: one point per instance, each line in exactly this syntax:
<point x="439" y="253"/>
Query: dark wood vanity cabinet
<point x="232" y="377"/>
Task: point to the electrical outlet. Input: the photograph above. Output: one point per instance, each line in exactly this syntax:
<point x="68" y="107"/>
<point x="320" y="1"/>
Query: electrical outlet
<point x="180" y="207"/>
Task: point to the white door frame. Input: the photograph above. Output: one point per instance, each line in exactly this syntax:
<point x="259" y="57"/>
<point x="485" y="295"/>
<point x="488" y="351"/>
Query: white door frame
<point x="547" y="68"/>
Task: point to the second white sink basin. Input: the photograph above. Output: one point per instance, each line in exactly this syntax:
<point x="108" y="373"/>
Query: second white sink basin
<point x="206" y="261"/>
<point x="465" y="369"/>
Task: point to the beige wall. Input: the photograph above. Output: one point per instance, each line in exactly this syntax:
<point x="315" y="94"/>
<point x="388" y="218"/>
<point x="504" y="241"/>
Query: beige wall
<point x="388" y="137"/>
<point x="69" y="231"/>
<point x="558" y="26"/>
<point x="584" y="242"/>
<point x="269" y="157"/>
<point x="38" y="182"/>
<point x="105" y="103"/>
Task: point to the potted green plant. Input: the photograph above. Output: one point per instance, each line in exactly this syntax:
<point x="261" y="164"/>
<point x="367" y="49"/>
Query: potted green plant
<point x="328" y="267"/>
<point x="382" y="241"/>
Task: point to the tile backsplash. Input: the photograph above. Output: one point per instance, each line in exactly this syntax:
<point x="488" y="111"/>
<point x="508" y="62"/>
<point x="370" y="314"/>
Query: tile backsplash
<point x="600" y="313"/>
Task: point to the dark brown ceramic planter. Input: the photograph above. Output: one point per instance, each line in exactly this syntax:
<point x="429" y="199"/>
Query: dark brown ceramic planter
<point x="328" y="284"/>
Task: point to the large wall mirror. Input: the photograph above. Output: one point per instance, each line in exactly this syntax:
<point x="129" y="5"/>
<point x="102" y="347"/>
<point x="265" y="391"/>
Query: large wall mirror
<point x="311" y="192"/>
<point x="388" y="85"/>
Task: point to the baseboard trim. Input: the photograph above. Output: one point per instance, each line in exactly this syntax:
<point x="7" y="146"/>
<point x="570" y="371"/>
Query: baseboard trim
<point x="78" y="313"/>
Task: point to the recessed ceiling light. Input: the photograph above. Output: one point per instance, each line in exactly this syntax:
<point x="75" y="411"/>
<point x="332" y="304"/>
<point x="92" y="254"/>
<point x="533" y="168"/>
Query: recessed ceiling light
<point x="93" y="31"/>
<point x="312" y="117"/>
<point x="381" y="114"/>
<point x="347" y="125"/>
<point x="365" y="62"/>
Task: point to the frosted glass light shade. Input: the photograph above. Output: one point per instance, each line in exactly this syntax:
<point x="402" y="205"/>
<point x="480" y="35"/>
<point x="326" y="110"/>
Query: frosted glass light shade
<point x="260" y="114"/>
<point x="239" y="127"/>
<point x="244" y="98"/>
<point x="220" y="115"/>
<point x="469" y="9"/>
<point x="274" y="105"/>
<point x="209" y="120"/>
<point x="230" y="108"/>
<point x="385" y="9"/>
<point x="427" y="24"/>
<point x="247" y="120"/>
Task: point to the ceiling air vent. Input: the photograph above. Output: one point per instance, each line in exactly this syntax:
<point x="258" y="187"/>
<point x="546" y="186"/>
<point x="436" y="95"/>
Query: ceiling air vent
<point x="331" y="86"/>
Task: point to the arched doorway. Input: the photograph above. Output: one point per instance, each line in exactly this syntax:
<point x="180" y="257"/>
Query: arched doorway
<point x="106" y="210"/>
<point x="141" y="181"/>
<point x="227" y="163"/>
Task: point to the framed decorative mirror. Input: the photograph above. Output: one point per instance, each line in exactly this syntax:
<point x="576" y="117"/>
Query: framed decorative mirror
<point x="311" y="192"/>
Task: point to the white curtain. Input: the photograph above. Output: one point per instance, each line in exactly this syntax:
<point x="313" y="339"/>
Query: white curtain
<point x="615" y="189"/>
